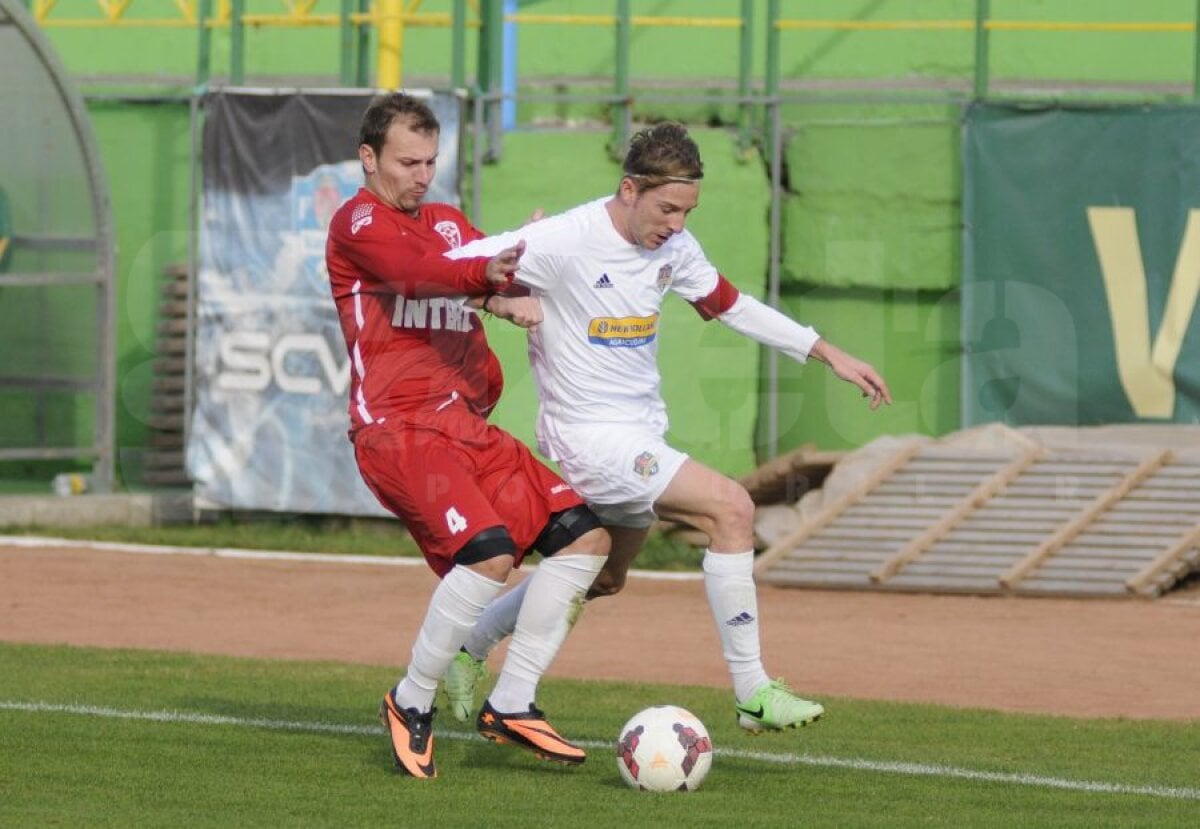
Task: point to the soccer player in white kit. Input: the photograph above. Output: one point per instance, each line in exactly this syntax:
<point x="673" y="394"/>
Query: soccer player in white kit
<point x="597" y="275"/>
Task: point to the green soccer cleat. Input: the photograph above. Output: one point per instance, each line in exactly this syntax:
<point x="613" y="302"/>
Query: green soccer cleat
<point x="774" y="707"/>
<point x="462" y="678"/>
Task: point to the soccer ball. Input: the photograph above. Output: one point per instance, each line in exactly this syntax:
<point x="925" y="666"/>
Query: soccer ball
<point x="664" y="748"/>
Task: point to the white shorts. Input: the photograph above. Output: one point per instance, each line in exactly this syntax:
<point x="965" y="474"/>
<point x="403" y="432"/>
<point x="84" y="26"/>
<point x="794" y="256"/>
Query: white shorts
<point x="620" y="470"/>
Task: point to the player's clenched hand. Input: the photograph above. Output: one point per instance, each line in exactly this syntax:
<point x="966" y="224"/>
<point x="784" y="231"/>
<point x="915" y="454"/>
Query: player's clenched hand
<point x="853" y="370"/>
<point x="525" y="311"/>
<point x="503" y="265"/>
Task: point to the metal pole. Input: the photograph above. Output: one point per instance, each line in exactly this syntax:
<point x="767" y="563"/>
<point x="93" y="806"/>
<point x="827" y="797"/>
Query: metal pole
<point x="491" y="66"/>
<point x="237" y="43"/>
<point x="362" y="47"/>
<point x="745" y="71"/>
<point x="1196" y="55"/>
<point x="508" y="71"/>
<point x="773" y="267"/>
<point x="982" y="12"/>
<point x="772" y="85"/>
<point x="476" y="159"/>
<point x="622" y="114"/>
<point x="193" y="264"/>
<point x="483" y="65"/>
<point x="203" y="42"/>
<point x="458" y="46"/>
<point x="389" y="50"/>
<point x="346" y="43"/>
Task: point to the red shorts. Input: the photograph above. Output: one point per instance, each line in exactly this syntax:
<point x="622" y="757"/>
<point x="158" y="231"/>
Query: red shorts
<point x="451" y="474"/>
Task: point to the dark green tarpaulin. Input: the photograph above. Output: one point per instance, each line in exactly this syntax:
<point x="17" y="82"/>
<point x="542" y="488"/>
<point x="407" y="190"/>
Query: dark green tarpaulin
<point x="1081" y="263"/>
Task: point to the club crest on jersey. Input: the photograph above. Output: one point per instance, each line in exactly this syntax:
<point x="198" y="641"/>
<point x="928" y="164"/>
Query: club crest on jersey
<point x="645" y="465"/>
<point x="361" y="217"/>
<point x="449" y="232"/>
<point x="664" y="277"/>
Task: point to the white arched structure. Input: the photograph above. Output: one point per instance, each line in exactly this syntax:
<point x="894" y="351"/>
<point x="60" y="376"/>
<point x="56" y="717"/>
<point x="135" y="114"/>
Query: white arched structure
<point x="57" y="276"/>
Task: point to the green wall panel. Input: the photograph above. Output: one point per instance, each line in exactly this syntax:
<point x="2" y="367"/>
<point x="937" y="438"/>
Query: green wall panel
<point x="1096" y="56"/>
<point x="873" y="197"/>
<point x="145" y="154"/>
<point x="910" y="337"/>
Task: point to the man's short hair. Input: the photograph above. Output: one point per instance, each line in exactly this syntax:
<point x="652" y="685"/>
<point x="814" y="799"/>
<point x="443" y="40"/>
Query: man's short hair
<point x="661" y="154"/>
<point x="385" y="109"/>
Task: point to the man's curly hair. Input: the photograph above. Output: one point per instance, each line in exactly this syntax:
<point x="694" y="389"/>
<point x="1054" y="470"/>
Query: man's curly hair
<point x="661" y="154"/>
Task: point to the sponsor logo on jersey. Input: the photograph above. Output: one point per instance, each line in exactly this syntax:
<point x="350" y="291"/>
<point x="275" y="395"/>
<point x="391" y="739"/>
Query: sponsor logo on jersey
<point x="432" y="314"/>
<point x="557" y="488"/>
<point x="623" y="332"/>
<point x="645" y="465"/>
<point x="361" y="217"/>
<point x="449" y="232"/>
<point x="603" y="282"/>
<point x="664" y="277"/>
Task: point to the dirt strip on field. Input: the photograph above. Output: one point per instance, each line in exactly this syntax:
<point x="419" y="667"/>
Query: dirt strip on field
<point x="1077" y="657"/>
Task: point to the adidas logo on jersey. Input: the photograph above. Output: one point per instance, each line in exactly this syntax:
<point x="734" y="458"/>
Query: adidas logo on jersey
<point x="603" y="282"/>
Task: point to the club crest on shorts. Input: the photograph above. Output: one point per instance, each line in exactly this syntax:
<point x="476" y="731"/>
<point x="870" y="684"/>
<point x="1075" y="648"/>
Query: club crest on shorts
<point x="664" y="277"/>
<point x="645" y="465"/>
<point x="449" y="232"/>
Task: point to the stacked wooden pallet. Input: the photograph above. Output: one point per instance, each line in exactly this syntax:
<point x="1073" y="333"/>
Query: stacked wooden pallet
<point x="1102" y="520"/>
<point x="164" y="458"/>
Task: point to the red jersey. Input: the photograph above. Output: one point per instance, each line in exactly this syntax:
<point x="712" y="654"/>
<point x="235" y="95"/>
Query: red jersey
<point x="413" y="345"/>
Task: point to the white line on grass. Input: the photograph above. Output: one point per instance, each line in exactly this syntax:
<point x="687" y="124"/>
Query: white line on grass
<point x="273" y="555"/>
<point x="790" y="759"/>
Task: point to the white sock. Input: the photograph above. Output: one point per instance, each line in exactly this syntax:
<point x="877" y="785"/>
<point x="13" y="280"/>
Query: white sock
<point x="558" y="585"/>
<point x="733" y="600"/>
<point x="497" y="622"/>
<point x="455" y="607"/>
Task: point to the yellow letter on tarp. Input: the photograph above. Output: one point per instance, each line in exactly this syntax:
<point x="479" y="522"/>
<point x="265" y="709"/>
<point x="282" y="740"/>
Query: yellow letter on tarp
<point x="1146" y="375"/>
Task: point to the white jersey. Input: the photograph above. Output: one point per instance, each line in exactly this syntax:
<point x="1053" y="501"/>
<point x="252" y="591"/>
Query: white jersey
<point x="595" y="356"/>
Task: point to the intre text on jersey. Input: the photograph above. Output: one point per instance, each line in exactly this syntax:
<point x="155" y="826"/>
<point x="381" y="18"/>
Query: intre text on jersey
<point x="432" y="313"/>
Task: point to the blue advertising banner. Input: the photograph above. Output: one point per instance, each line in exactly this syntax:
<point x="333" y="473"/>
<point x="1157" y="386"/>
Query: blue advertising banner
<point x="271" y="375"/>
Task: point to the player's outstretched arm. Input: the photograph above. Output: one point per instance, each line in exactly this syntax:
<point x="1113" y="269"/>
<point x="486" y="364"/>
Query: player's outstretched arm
<point x="853" y="370"/>
<point x="522" y="311"/>
<point x="760" y="322"/>
<point x="502" y="266"/>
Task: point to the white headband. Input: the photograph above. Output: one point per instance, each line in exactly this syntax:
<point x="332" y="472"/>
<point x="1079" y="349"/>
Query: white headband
<point x="683" y="179"/>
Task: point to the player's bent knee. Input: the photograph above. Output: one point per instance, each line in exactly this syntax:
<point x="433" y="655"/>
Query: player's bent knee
<point x="737" y="508"/>
<point x="571" y="525"/>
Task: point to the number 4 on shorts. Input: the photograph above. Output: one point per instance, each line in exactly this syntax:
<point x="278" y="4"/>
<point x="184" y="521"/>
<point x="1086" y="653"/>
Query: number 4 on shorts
<point x="454" y="521"/>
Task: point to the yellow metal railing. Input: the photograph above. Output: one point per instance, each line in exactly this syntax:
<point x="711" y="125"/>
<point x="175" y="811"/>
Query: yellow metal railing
<point x="112" y="13"/>
<point x="183" y="13"/>
<point x="390" y="18"/>
<point x="635" y="20"/>
<point x="990" y="25"/>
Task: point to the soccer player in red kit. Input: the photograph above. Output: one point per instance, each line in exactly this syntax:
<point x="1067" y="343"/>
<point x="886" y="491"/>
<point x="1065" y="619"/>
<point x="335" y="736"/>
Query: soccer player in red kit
<point x="422" y="381"/>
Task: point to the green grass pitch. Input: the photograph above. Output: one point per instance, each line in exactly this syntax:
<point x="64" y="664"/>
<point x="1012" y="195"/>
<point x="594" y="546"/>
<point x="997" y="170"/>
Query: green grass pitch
<point x="139" y="738"/>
